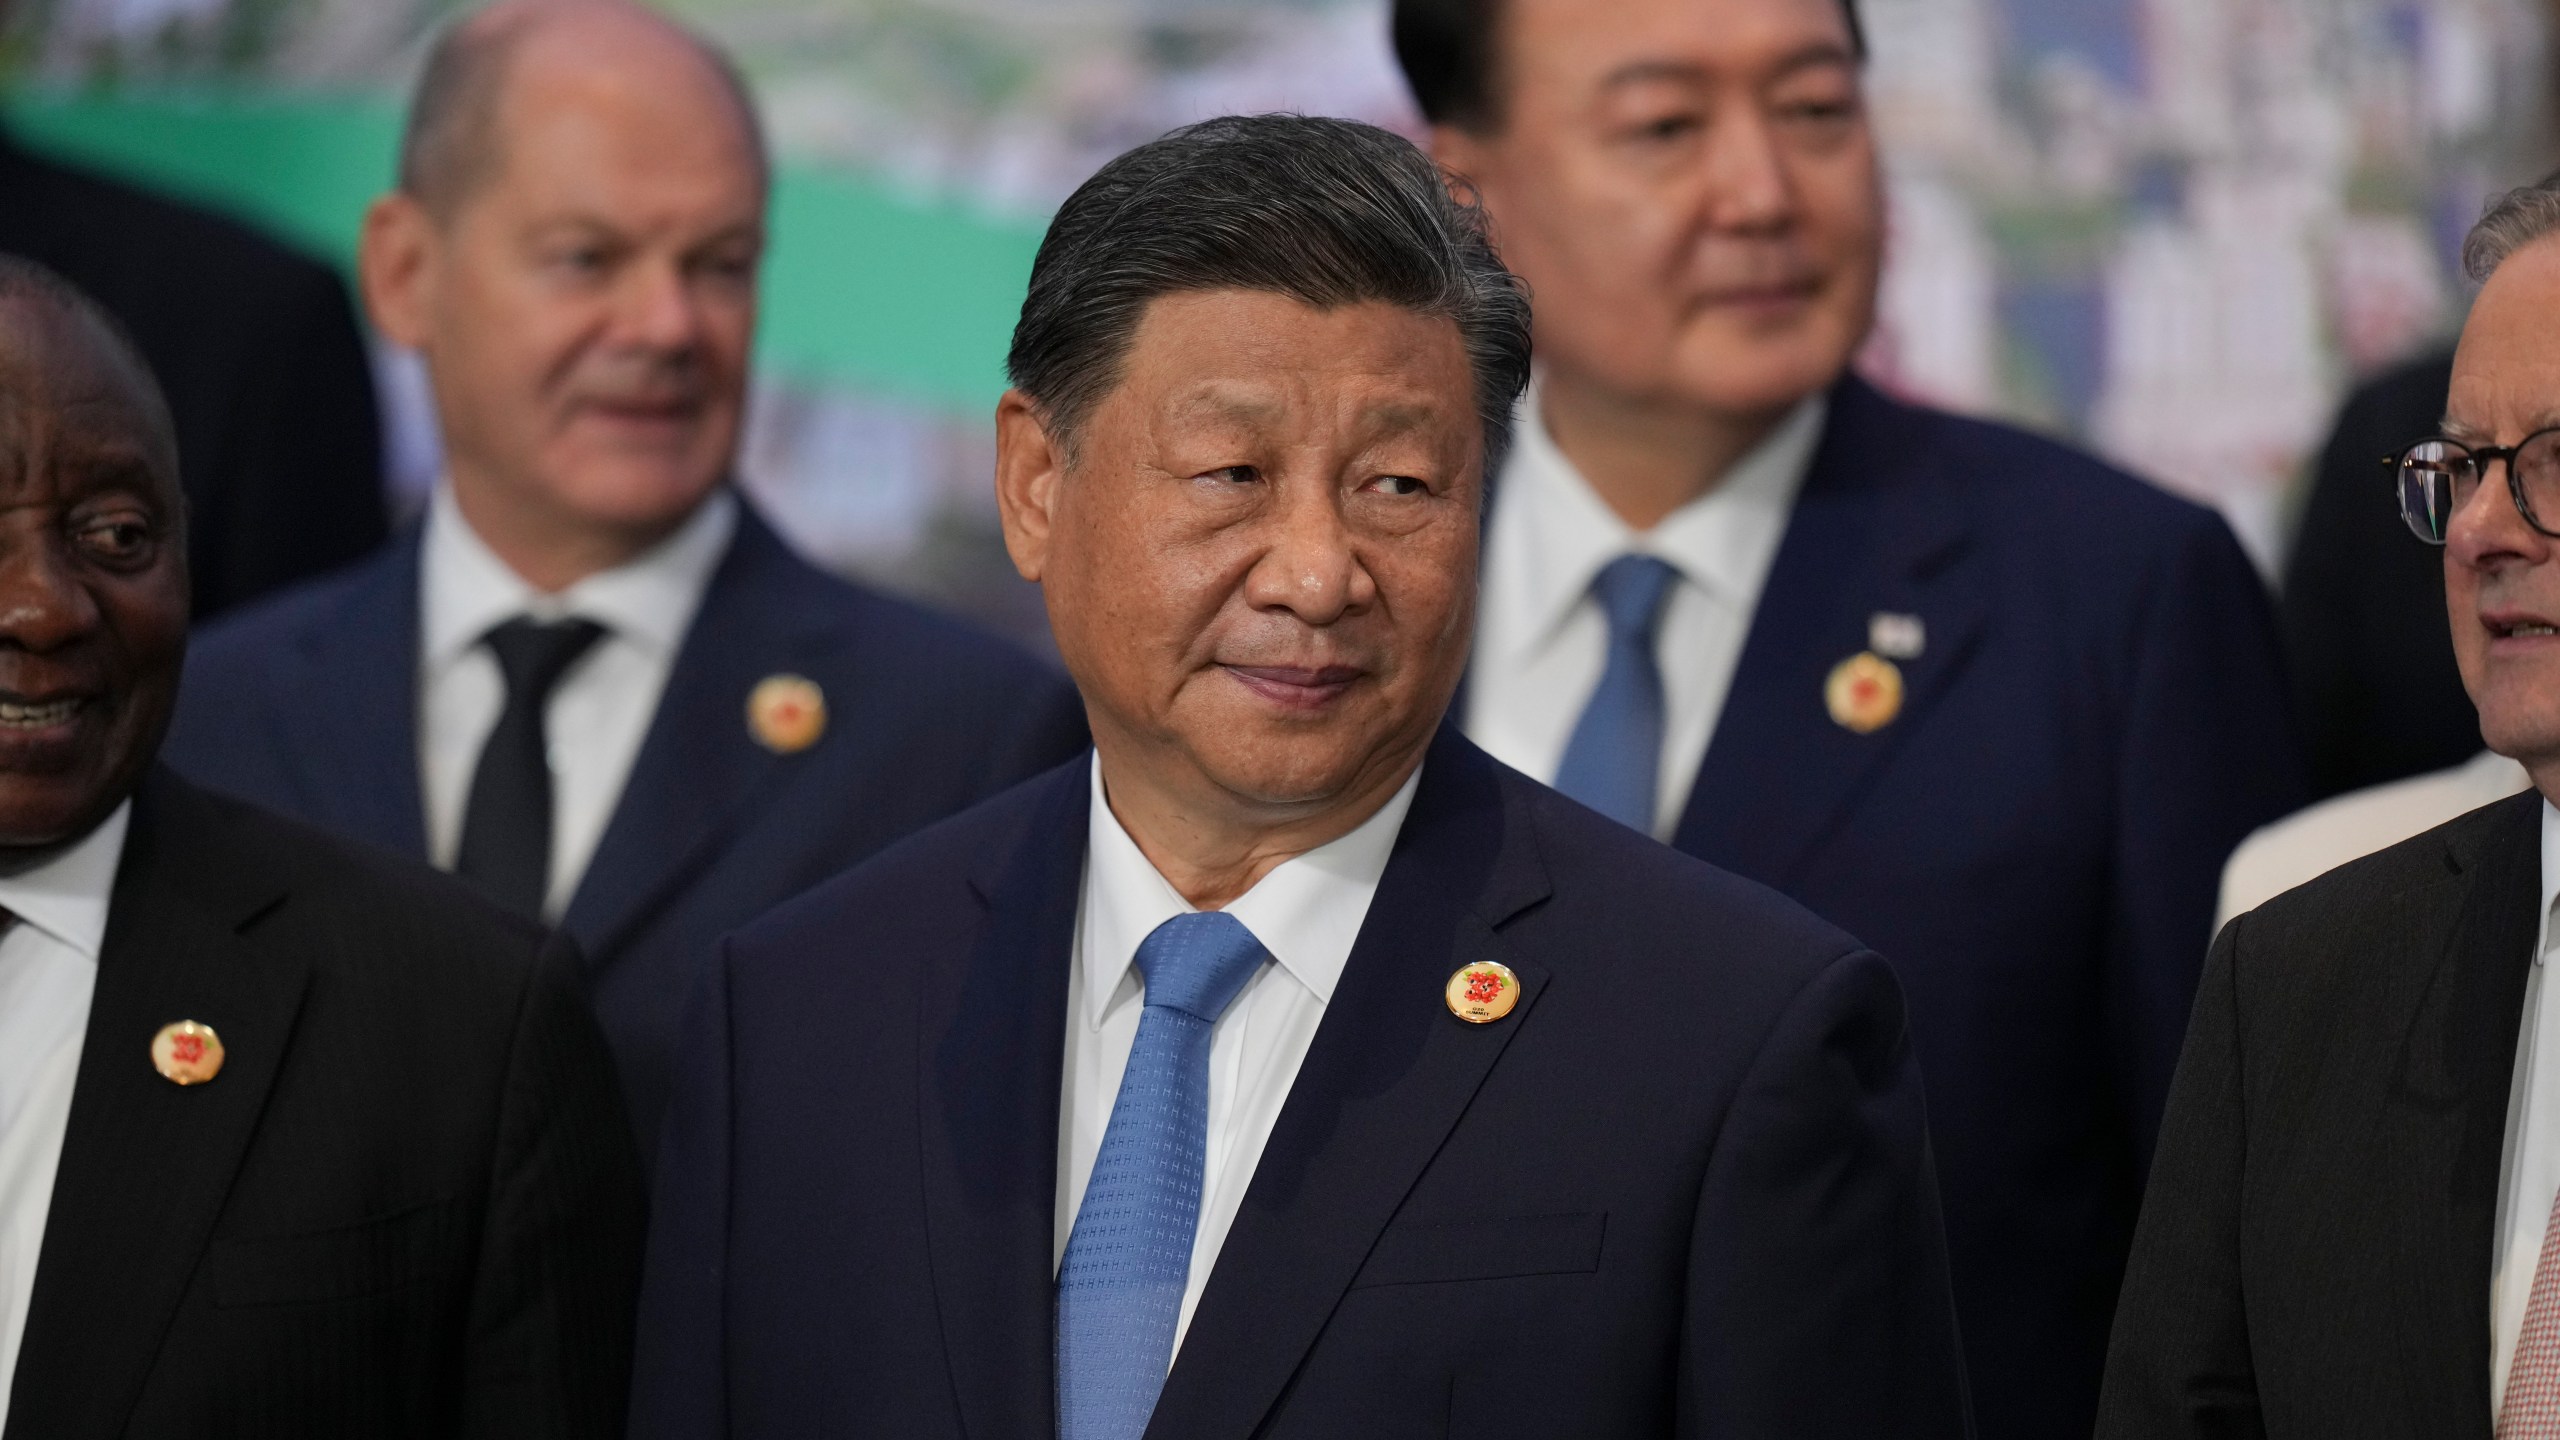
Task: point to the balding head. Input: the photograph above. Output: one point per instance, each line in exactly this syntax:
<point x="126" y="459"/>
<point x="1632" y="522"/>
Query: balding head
<point x="456" y="134"/>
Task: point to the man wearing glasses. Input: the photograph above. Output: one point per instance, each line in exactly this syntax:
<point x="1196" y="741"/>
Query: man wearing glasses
<point x="2349" y="1225"/>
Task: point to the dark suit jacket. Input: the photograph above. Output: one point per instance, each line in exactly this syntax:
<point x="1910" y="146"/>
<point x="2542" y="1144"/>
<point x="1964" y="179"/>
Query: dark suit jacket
<point x="257" y="350"/>
<point x="2315" y="1249"/>
<point x="2096" y="720"/>
<point x="1683" y="1189"/>
<point x="309" y="704"/>
<point x="2374" y="682"/>
<point x="406" y="1205"/>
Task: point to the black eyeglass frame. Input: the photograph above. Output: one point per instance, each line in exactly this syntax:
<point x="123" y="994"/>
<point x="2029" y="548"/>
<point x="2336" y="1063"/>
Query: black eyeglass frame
<point x="2480" y="455"/>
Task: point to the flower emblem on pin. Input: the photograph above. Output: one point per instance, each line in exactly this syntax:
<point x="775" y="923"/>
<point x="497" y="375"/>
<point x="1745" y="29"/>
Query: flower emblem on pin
<point x="1864" y="693"/>
<point x="1483" y="993"/>
<point x="787" y="713"/>
<point x="186" y="1052"/>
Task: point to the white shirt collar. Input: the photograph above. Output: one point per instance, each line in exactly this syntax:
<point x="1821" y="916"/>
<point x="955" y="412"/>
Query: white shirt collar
<point x="1724" y="541"/>
<point x="66" y="897"/>
<point x="1307" y="912"/>
<point x="649" y="600"/>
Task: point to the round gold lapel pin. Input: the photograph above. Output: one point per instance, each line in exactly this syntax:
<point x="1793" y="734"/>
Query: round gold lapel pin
<point x="1864" y="693"/>
<point x="1482" y="993"/>
<point x="787" y="713"/>
<point x="186" y="1052"/>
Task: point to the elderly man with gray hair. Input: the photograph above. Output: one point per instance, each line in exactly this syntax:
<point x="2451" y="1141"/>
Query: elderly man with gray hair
<point x="2351" y="1228"/>
<point x="1286" y="1067"/>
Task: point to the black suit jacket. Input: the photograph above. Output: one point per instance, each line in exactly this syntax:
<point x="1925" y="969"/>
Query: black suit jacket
<point x="1684" y="1188"/>
<point x="309" y="703"/>
<point x="271" y="393"/>
<point x="2374" y="681"/>
<point x="407" y="1206"/>
<point x="2315" y="1250"/>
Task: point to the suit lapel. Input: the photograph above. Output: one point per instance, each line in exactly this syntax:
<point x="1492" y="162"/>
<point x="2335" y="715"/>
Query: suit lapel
<point x="146" y="1164"/>
<point x="2445" y="1117"/>
<point x="1386" y="1079"/>
<point x="350" y="717"/>
<point x="992" y="1055"/>
<point x="1876" y="529"/>
<point x="699" y="771"/>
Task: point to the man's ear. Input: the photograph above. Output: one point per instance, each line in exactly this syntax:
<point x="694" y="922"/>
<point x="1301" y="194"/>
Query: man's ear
<point x="1031" y="468"/>
<point x="392" y="268"/>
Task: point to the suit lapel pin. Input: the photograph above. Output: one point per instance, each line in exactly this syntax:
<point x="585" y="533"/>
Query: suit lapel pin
<point x="186" y="1052"/>
<point x="1895" y="636"/>
<point x="787" y="713"/>
<point x="1864" y="693"/>
<point x="1483" y="993"/>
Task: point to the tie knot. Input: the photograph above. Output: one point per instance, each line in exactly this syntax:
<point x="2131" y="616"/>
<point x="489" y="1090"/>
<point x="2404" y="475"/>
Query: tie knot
<point x="1630" y="590"/>
<point x="1196" y="963"/>
<point x="534" y="653"/>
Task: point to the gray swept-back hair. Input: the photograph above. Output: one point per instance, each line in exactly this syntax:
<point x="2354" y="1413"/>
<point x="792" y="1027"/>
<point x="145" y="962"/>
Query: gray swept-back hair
<point x="1328" y="212"/>
<point x="2509" y="223"/>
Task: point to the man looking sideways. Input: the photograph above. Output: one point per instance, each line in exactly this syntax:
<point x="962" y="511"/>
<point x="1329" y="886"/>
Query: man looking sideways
<point x="296" y="1140"/>
<point x="595" y="682"/>
<point x="1287" y="1068"/>
<point x="1993" y="708"/>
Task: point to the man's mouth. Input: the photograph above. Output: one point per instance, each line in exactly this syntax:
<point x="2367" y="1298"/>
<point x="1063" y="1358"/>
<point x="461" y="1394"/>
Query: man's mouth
<point x="2521" y="629"/>
<point x="38" y="714"/>
<point x="1296" y="687"/>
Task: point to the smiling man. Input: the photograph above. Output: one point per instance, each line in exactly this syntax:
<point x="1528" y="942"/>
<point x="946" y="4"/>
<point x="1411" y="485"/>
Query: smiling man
<point x="296" y="1139"/>
<point x="594" y="681"/>
<point x="1287" y="1068"/>
<point x="2351" y="1228"/>
<point x="1998" y="710"/>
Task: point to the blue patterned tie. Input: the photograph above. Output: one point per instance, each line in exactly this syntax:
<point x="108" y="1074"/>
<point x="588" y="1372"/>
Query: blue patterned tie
<point x="1120" y="1286"/>
<point x="1615" y="755"/>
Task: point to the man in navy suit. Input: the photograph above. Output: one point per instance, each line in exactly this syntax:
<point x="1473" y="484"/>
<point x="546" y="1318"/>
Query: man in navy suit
<point x="595" y="681"/>
<point x="1289" y="1068"/>
<point x="1995" y="708"/>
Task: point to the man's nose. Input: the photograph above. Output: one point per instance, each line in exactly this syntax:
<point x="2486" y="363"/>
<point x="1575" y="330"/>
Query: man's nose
<point x="1310" y="568"/>
<point x="43" y="605"/>
<point x="2489" y="532"/>
<point x="659" y="309"/>
<point x="1748" y="186"/>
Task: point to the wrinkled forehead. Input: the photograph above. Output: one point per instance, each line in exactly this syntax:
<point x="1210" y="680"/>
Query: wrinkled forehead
<point x="71" y="393"/>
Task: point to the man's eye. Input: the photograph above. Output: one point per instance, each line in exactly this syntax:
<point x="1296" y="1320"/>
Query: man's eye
<point x="1235" y="474"/>
<point x="1668" y="129"/>
<point x="1399" y="485"/>
<point x="118" y="539"/>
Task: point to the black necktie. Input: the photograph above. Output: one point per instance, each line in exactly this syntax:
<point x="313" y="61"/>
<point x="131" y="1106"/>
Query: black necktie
<point x="506" y="826"/>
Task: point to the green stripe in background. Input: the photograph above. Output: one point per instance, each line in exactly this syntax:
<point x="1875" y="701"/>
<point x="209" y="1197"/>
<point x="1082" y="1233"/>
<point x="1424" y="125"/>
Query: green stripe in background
<point x="865" y="286"/>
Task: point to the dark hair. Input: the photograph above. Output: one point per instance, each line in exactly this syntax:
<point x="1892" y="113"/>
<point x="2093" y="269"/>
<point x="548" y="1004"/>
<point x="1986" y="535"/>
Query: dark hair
<point x="2509" y="223"/>
<point x="450" y="142"/>
<point x="1330" y="212"/>
<point x="25" y="281"/>
<point x="1447" y="50"/>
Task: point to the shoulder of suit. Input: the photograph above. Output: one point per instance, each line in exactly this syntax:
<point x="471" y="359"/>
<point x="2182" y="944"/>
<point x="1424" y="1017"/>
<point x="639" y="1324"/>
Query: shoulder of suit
<point x="2371" y="886"/>
<point x="251" y="634"/>
<point x="276" y="867"/>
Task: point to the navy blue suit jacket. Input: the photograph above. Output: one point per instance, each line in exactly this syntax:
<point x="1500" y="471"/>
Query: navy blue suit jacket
<point x="308" y="704"/>
<point x="1684" y="1188"/>
<point x="2096" y="720"/>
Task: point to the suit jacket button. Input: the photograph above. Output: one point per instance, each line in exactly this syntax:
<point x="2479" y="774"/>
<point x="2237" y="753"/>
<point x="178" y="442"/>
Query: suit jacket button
<point x="186" y="1052"/>
<point x="1482" y="993"/>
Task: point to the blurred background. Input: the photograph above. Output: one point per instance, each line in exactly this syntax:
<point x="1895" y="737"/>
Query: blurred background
<point x="2176" y="230"/>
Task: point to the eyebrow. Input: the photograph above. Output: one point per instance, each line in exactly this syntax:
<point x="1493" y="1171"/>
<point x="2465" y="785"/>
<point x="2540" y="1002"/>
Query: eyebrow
<point x="2453" y="429"/>
<point x="1806" y="57"/>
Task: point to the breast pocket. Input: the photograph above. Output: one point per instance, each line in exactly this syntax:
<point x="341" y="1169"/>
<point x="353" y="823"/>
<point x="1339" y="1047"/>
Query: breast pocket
<point x="1493" y="1247"/>
<point x="347" y="1262"/>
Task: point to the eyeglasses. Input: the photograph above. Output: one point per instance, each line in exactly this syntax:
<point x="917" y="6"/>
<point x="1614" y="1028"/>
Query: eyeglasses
<point x="2437" y="477"/>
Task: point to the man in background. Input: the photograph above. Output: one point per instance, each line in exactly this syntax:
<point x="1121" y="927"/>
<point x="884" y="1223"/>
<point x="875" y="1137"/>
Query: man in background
<point x="269" y="387"/>
<point x="1993" y="708"/>
<point x="595" y="682"/>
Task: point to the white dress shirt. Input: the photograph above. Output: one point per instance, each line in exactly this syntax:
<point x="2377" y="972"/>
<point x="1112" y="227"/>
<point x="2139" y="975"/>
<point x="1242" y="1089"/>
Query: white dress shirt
<point x="2529" y="1170"/>
<point x="1306" y="913"/>
<point x="48" y="970"/>
<point x="1541" y="640"/>
<point x="600" y="710"/>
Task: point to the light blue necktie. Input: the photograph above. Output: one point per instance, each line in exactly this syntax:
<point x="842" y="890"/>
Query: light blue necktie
<point x="1120" y="1286"/>
<point x="1615" y="755"/>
